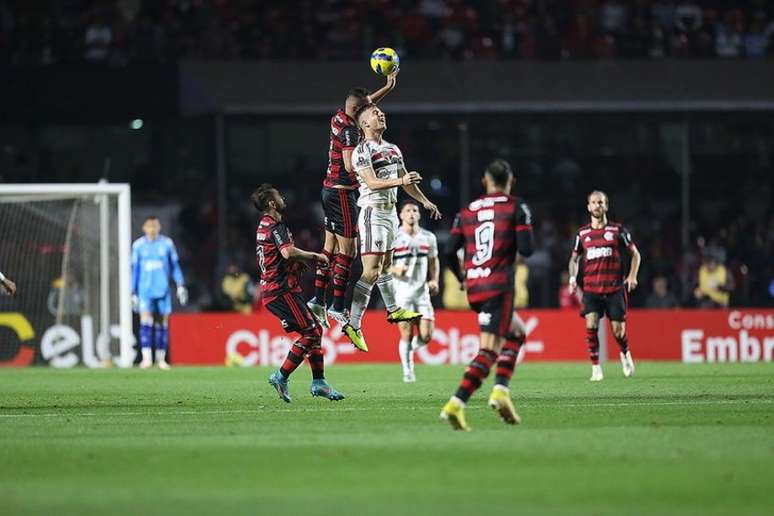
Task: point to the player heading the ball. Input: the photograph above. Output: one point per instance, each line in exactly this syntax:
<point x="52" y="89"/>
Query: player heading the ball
<point x="380" y="169"/>
<point x="339" y="201"/>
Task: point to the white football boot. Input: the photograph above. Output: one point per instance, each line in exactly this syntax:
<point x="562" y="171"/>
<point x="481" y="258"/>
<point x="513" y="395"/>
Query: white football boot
<point x="596" y="373"/>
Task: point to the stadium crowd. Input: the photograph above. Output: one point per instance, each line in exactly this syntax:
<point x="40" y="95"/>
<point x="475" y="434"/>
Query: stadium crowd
<point x="119" y="32"/>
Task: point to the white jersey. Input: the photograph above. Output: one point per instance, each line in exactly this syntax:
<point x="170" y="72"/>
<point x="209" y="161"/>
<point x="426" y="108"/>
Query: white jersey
<point x="386" y="160"/>
<point x="415" y="251"/>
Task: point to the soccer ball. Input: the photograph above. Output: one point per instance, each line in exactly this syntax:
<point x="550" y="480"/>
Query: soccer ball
<point x="384" y="61"/>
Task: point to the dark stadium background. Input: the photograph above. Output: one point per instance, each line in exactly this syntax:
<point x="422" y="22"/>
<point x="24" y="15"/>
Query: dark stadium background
<point x="667" y="106"/>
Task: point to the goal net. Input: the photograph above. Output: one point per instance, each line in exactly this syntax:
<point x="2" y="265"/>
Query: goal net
<point x="67" y="248"/>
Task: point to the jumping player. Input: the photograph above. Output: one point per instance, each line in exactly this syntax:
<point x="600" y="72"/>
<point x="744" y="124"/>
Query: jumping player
<point x="279" y="262"/>
<point x="601" y="244"/>
<point x="154" y="263"/>
<point x="415" y="269"/>
<point x="380" y="169"/>
<point x="491" y="229"/>
<point x="7" y="286"/>
<point x="339" y="202"/>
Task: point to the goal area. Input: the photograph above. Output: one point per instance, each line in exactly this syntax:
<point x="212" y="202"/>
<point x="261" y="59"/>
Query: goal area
<point x="67" y="247"/>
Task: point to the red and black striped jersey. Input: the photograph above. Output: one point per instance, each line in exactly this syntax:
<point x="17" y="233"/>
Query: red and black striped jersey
<point x="278" y="275"/>
<point x="491" y="229"/>
<point x="602" y="252"/>
<point x="344" y="136"/>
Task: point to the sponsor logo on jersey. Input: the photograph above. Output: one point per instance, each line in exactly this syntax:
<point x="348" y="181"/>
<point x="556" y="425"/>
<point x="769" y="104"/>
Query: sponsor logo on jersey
<point x="478" y="272"/>
<point x="593" y="253"/>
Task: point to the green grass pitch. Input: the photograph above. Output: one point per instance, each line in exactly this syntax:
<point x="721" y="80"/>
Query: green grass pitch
<point x="676" y="439"/>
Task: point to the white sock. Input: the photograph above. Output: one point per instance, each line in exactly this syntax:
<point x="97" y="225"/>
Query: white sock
<point x="416" y="342"/>
<point x="146" y="354"/>
<point x="384" y="282"/>
<point x="406" y="357"/>
<point x="161" y="355"/>
<point x="361" y="295"/>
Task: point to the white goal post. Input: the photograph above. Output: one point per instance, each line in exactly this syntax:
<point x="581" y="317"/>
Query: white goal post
<point x="86" y="231"/>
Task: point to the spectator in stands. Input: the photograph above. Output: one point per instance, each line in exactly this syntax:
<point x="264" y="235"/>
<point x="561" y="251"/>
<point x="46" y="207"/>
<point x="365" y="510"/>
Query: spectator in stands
<point x="97" y="39"/>
<point x="239" y="288"/>
<point x="715" y="282"/>
<point x="661" y="297"/>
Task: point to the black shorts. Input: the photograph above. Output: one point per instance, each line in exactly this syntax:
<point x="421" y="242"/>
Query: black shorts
<point x="292" y="312"/>
<point x="495" y="314"/>
<point x="340" y="209"/>
<point x="613" y="305"/>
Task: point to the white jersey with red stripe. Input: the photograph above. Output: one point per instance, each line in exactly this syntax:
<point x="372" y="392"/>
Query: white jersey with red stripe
<point x="414" y="251"/>
<point x="386" y="161"/>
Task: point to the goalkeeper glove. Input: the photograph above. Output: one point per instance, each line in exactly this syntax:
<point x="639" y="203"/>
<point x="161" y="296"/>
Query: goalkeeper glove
<point x="182" y="295"/>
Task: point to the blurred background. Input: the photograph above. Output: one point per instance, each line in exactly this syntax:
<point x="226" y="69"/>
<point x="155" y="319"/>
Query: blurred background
<point x="665" y="105"/>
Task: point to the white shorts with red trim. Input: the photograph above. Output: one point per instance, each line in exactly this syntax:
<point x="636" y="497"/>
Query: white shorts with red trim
<point x="408" y="296"/>
<point x="378" y="228"/>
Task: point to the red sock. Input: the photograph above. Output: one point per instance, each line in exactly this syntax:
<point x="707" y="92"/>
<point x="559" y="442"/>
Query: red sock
<point x="593" y="342"/>
<point x="293" y="360"/>
<point x="341" y="271"/>
<point x="316" y="362"/>
<point x="506" y="362"/>
<point x="475" y="374"/>
<point x="322" y="277"/>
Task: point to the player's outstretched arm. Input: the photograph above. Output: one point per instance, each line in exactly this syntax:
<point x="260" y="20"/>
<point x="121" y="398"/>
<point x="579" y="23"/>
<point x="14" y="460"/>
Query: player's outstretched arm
<point x="382" y="92"/>
<point x="291" y="252"/>
<point x="368" y="176"/>
<point x="413" y="190"/>
<point x="7" y="285"/>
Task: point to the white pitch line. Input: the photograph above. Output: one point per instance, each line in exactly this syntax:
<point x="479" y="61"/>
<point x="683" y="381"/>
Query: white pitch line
<point x="372" y="409"/>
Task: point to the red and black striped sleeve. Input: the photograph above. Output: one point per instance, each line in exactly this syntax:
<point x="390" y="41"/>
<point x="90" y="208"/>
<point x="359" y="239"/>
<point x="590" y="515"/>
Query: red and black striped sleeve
<point x="626" y="238"/>
<point x="455" y="242"/>
<point x="281" y="235"/>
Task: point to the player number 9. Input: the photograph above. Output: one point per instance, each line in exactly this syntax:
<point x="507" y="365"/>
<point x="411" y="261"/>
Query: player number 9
<point x="484" y="243"/>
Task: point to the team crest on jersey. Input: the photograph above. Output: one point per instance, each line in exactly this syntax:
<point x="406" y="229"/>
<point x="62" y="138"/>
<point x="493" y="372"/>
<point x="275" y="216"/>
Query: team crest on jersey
<point x="362" y="161"/>
<point x="609" y="236"/>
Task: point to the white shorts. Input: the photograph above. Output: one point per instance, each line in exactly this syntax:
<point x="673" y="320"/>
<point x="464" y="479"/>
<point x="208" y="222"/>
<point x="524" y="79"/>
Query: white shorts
<point x="378" y="228"/>
<point x="408" y="297"/>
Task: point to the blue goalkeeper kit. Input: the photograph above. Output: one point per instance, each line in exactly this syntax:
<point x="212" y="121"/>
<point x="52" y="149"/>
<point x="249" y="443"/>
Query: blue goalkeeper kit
<point x="153" y="262"/>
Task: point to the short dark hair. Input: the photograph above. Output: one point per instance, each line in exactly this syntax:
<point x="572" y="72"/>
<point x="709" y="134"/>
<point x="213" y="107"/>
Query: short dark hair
<point x="261" y="197"/>
<point x="362" y="109"/>
<point x="500" y="171"/>
<point x="150" y="217"/>
<point x="358" y="93"/>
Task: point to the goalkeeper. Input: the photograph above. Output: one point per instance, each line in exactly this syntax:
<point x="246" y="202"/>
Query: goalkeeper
<point x="6" y="285"/>
<point x="154" y="260"/>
